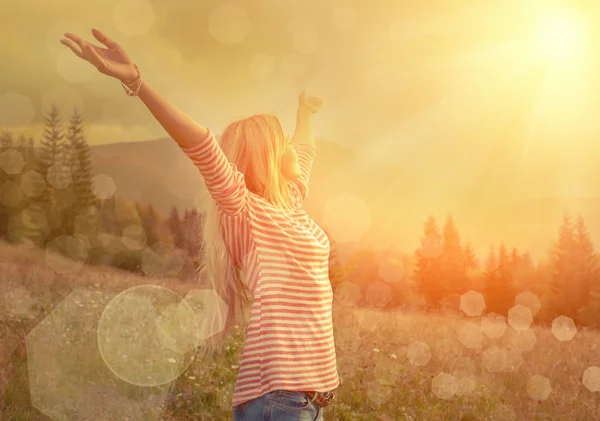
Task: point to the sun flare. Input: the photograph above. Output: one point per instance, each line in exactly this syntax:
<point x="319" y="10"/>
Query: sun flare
<point x="559" y="35"/>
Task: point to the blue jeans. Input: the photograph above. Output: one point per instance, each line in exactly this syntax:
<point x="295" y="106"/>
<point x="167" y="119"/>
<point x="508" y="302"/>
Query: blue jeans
<point x="279" y="405"/>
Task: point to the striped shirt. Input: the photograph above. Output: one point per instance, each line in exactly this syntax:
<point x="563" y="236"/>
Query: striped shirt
<point x="289" y="339"/>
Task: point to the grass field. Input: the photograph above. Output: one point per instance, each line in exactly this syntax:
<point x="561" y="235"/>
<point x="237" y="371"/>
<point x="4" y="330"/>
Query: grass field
<point x="392" y="365"/>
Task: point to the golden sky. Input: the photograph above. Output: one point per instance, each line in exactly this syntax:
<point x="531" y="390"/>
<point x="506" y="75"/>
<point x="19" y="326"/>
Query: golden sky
<point x="443" y="87"/>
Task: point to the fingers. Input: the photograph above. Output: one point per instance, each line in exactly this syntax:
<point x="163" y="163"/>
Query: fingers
<point x="81" y="43"/>
<point x="84" y="50"/>
<point x="73" y="46"/>
<point x="104" y="39"/>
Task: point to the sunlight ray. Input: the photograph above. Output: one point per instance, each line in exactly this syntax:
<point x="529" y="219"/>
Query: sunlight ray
<point x="481" y="96"/>
<point x="561" y="152"/>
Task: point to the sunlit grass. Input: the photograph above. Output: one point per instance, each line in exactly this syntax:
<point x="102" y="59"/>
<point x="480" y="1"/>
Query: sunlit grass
<point x="380" y="378"/>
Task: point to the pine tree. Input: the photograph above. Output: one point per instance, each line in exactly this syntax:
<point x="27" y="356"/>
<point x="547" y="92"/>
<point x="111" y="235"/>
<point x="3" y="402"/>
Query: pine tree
<point x="175" y="225"/>
<point x="429" y="265"/>
<point x="527" y="261"/>
<point x="565" y="284"/>
<point x="22" y="144"/>
<point x="50" y="154"/>
<point x="505" y="268"/>
<point x="31" y="151"/>
<point x="523" y="273"/>
<point x="587" y="259"/>
<point x="470" y="257"/>
<point x="126" y="213"/>
<point x="82" y="165"/>
<point x="51" y="144"/>
<point x="499" y="290"/>
<point x="149" y="221"/>
<point x="454" y="264"/>
<point x="589" y="273"/>
<point x="78" y="160"/>
<point x="5" y="144"/>
<point x="107" y="216"/>
<point x="491" y="277"/>
<point x="515" y="259"/>
<point x="6" y="141"/>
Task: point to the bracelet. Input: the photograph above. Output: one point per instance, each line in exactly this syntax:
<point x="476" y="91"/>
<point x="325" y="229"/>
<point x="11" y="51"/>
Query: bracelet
<point x="138" y="84"/>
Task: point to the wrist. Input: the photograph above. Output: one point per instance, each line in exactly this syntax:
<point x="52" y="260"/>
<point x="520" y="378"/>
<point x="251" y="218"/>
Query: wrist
<point x="304" y="111"/>
<point x="132" y="88"/>
<point x="133" y="76"/>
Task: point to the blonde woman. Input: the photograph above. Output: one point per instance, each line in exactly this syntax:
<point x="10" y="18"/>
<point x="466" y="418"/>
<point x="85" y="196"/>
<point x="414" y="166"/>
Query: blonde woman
<point x="260" y="245"/>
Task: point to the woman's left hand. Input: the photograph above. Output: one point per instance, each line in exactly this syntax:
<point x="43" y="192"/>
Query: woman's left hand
<point x="310" y="102"/>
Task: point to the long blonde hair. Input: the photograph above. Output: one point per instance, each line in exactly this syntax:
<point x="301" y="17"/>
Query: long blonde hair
<point x="255" y="145"/>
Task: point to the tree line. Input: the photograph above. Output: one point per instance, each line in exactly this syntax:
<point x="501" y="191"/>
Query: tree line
<point x="441" y="269"/>
<point x="47" y="194"/>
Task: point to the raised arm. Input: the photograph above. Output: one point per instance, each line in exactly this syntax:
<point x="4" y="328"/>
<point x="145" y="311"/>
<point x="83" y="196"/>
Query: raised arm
<point x="225" y="184"/>
<point x="304" y="141"/>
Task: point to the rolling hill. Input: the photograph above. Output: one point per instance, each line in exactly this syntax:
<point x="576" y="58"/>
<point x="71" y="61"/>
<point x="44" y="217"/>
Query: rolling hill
<point x="399" y="202"/>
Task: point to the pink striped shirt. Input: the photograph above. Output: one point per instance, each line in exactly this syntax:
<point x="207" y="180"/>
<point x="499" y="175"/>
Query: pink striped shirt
<point x="289" y="340"/>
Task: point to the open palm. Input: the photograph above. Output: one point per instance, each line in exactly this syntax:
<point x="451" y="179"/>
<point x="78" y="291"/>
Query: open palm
<point x="112" y="61"/>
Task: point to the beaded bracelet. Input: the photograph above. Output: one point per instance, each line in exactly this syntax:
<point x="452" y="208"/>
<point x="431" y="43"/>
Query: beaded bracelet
<point x="138" y="84"/>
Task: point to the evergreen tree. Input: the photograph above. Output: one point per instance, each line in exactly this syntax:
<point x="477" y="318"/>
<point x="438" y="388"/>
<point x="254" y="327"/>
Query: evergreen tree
<point x="565" y="283"/>
<point x="499" y="290"/>
<point x="22" y="144"/>
<point x="589" y="273"/>
<point x="31" y="151"/>
<point x="527" y="261"/>
<point x="50" y="154"/>
<point x="515" y="259"/>
<point x="587" y="260"/>
<point x="6" y="141"/>
<point x="470" y="257"/>
<point x="454" y="263"/>
<point x="5" y="144"/>
<point x="125" y="213"/>
<point x="107" y="216"/>
<point x="78" y="160"/>
<point x="429" y="265"/>
<point x="149" y="221"/>
<point x="81" y="164"/>
<point x="491" y="276"/>
<point x="523" y="273"/>
<point x="505" y="268"/>
<point x="175" y="225"/>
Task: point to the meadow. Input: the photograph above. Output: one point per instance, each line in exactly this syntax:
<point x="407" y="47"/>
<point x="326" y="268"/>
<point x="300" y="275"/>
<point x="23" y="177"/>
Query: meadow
<point x="393" y="365"/>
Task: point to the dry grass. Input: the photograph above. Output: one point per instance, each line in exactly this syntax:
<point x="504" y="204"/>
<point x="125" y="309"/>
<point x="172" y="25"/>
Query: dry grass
<point x="379" y="381"/>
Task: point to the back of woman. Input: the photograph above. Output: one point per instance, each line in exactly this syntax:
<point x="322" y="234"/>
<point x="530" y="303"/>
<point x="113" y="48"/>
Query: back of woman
<point x="260" y="247"/>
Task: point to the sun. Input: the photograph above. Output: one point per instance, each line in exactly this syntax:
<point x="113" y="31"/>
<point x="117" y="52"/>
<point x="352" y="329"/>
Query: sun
<point x="559" y="36"/>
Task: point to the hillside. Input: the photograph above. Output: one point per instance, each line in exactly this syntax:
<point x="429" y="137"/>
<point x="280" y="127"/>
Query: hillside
<point x="399" y="201"/>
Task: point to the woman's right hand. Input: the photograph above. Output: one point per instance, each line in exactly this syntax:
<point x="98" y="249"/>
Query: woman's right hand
<point x="112" y="61"/>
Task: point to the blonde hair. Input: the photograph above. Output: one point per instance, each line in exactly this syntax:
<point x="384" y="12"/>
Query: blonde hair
<point x="255" y="145"/>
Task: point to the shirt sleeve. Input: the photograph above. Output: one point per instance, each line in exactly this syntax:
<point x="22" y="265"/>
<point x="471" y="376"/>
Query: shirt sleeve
<point x="225" y="184"/>
<point x="306" y="157"/>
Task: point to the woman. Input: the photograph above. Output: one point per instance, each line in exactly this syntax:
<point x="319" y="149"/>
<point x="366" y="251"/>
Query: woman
<point x="259" y="242"/>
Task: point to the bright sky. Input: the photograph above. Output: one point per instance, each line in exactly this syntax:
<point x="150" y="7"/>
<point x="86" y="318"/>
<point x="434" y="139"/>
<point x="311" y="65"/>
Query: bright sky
<point x="448" y="88"/>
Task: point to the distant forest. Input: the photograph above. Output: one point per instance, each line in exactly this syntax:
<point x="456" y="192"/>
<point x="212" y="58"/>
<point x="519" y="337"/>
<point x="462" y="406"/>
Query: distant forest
<point x="49" y="198"/>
